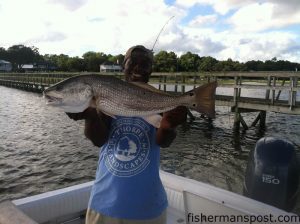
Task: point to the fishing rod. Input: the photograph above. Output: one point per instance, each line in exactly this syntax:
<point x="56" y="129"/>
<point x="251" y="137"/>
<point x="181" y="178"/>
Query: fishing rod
<point x="161" y="31"/>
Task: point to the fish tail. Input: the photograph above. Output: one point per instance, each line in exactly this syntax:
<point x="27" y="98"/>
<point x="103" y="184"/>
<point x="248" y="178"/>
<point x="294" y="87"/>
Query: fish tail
<point x="204" y="99"/>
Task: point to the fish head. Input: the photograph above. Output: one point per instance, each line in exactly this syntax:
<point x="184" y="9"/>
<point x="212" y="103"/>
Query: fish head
<point x="70" y="95"/>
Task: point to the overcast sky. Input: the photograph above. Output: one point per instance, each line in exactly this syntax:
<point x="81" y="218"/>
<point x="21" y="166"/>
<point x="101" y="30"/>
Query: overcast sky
<point x="239" y="29"/>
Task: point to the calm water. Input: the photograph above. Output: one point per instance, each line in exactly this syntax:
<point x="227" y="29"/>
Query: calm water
<point x="41" y="149"/>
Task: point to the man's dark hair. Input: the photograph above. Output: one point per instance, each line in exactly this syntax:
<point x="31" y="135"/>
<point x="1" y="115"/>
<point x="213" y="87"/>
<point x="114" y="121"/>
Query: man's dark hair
<point x="140" y="48"/>
<point x="138" y="63"/>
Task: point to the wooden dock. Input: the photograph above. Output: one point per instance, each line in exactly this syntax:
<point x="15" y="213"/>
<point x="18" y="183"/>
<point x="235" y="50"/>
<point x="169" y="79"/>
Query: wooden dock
<point x="271" y="83"/>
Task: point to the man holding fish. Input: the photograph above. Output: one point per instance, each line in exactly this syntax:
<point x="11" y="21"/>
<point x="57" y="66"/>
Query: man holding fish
<point x="125" y="119"/>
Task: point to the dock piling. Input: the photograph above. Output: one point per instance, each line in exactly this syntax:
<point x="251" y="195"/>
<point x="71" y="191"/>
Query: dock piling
<point x="237" y="118"/>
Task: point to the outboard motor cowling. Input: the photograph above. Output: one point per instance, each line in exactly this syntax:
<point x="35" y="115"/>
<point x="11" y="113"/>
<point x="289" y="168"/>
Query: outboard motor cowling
<point x="272" y="173"/>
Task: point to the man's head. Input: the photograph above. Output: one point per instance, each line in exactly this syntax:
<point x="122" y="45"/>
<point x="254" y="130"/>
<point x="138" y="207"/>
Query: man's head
<point x="138" y="64"/>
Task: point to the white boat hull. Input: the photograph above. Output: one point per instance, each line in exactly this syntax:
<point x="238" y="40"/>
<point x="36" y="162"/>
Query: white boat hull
<point x="189" y="200"/>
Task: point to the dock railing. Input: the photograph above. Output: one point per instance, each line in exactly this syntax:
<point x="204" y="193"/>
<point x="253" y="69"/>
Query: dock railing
<point x="273" y="83"/>
<point x="266" y="90"/>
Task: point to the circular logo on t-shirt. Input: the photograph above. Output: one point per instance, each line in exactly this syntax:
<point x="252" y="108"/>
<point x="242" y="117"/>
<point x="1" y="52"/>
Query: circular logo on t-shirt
<point x="126" y="153"/>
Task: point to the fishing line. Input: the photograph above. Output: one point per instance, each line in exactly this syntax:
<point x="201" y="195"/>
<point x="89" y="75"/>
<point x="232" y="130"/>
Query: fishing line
<point x="161" y="31"/>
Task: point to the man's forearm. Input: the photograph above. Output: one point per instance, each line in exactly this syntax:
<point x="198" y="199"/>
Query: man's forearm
<point x="164" y="137"/>
<point x="96" y="130"/>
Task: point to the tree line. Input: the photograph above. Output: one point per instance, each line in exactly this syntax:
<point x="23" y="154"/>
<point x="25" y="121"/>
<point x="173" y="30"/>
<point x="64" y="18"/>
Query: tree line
<point x="164" y="61"/>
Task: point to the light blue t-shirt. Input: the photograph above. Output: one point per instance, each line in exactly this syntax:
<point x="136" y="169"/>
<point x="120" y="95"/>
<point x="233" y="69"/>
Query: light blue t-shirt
<point x="127" y="183"/>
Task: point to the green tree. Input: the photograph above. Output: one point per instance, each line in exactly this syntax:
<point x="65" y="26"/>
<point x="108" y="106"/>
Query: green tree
<point x="165" y="62"/>
<point x="189" y="62"/>
<point x="270" y="65"/>
<point x="20" y="55"/>
<point x="230" y="65"/>
<point x="75" y="64"/>
<point x="207" y="64"/>
<point x="255" y="65"/>
<point x="93" y="60"/>
<point x="287" y="65"/>
<point x="117" y="59"/>
<point x="52" y="59"/>
<point x="3" y="54"/>
<point x="61" y="61"/>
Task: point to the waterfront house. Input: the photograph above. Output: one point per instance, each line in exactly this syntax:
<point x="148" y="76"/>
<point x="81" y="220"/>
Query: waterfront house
<point x="41" y="66"/>
<point x="105" y="67"/>
<point x="5" y="66"/>
<point x="28" y="67"/>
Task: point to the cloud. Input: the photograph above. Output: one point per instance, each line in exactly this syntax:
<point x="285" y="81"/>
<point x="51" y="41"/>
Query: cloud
<point x="191" y="39"/>
<point x="188" y="4"/>
<point x="221" y="7"/>
<point x="244" y="41"/>
<point x="180" y="40"/>
<point x="258" y="46"/>
<point x="49" y="37"/>
<point x="266" y="16"/>
<point x="224" y="6"/>
<point x="71" y="5"/>
<point x="291" y="51"/>
<point x="252" y="31"/>
<point x="210" y="47"/>
<point x="203" y="20"/>
<point x="96" y="19"/>
<point x="285" y="8"/>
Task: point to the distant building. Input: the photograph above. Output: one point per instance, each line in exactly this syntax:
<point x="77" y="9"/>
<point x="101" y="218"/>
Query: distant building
<point x="42" y="66"/>
<point x="28" y="67"/>
<point x="5" y="66"/>
<point x="105" y="67"/>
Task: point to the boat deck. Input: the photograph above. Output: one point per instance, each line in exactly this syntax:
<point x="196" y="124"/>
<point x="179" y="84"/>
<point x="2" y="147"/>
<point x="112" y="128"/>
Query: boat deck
<point x="173" y="217"/>
<point x="10" y="214"/>
<point x="68" y="205"/>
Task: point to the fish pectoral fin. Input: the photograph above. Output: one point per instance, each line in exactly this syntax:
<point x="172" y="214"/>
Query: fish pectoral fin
<point x="93" y="103"/>
<point x="99" y="105"/>
<point x="106" y="113"/>
<point x="154" y="120"/>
